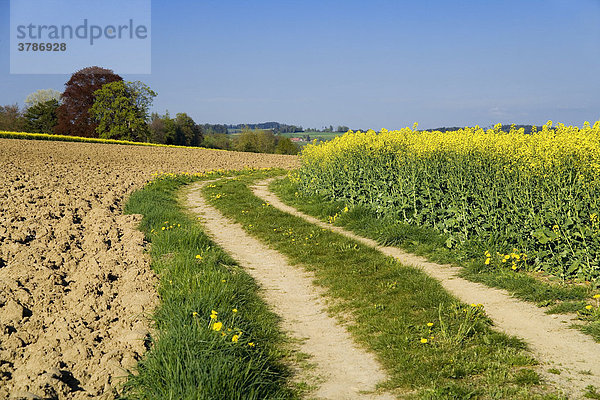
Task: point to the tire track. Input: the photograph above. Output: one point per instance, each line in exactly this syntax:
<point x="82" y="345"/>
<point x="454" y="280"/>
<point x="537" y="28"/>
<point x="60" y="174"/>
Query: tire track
<point x="553" y="343"/>
<point x="347" y="371"/>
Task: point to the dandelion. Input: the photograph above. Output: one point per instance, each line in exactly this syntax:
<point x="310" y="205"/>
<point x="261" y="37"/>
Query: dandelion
<point x="430" y="324"/>
<point x="251" y="344"/>
<point x="223" y="281"/>
<point x="423" y="340"/>
<point x="194" y="314"/>
<point x="217" y="326"/>
<point x="234" y="310"/>
<point x="487" y="261"/>
<point x="235" y="338"/>
<point x="596" y="296"/>
<point x="588" y="307"/>
<point x="198" y="256"/>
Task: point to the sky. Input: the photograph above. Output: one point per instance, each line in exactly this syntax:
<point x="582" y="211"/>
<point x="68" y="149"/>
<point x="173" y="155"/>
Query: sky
<point x="365" y="64"/>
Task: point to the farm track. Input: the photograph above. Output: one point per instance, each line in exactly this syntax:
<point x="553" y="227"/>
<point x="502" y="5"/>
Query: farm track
<point x="553" y="343"/>
<point x="76" y="288"/>
<point x="344" y="370"/>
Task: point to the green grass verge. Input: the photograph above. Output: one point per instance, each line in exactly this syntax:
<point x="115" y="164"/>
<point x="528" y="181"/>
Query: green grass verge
<point x="431" y="345"/>
<point x="189" y="358"/>
<point x="558" y="296"/>
<point x="66" y="138"/>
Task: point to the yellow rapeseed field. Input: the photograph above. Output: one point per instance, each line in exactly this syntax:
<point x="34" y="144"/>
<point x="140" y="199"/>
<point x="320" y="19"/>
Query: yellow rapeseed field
<point x="508" y="192"/>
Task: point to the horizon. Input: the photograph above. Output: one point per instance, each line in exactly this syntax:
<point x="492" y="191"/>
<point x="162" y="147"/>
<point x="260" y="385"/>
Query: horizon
<point x="374" y="65"/>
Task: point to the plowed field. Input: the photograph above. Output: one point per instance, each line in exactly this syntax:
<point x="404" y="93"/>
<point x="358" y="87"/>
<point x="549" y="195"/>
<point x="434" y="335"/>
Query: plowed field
<point x="76" y="289"/>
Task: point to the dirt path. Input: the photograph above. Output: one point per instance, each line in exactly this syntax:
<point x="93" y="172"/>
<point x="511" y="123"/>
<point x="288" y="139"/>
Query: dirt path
<point x="344" y="369"/>
<point x="554" y="344"/>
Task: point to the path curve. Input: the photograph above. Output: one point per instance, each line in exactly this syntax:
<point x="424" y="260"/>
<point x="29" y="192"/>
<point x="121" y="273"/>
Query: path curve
<point x="554" y="344"/>
<point x="345" y="370"/>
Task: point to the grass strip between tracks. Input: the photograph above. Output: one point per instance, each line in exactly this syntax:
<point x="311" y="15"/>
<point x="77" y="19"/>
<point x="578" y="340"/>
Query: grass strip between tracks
<point x="215" y="338"/>
<point x="431" y="345"/>
<point x="558" y="297"/>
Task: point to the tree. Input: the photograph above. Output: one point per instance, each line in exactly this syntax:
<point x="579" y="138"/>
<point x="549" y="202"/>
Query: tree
<point x="157" y="129"/>
<point x="217" y="141"/>
<point x="74" y="117"/>
<point x="120" y="110"/>
<point x="42" y="117"/>
<point x="255" y="141"/>
<point x="187" y="132"/>
<point x="285" y="146"/>
<point x="42" y="96"/>
<point x="11" y="118"/>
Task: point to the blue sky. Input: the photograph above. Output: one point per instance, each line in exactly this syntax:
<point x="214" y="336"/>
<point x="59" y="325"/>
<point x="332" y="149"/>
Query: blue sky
<point x="365" y="64"/>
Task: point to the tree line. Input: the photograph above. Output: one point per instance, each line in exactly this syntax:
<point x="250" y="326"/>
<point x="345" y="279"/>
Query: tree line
<point x="98" y="103"/>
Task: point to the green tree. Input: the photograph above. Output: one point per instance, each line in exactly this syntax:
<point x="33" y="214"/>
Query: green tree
<point x="188" y="133"/>
<point x="157" y="129"/>
<point x="121" y="110"/>
<point x="286" y="146"/>
<point x="217" y="141"/>
<point x="169" y="129"/>
<point x="255" y="141"/>
<point x="42" y="117"/>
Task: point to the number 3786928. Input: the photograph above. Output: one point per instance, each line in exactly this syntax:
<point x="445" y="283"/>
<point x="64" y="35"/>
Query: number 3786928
<point x="42" y="46"/>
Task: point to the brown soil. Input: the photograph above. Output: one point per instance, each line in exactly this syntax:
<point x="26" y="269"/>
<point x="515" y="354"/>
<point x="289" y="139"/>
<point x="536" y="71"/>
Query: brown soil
<point x="346" y="371"/>
<point x="553" y="342"/>
<point x="76" y="289"/>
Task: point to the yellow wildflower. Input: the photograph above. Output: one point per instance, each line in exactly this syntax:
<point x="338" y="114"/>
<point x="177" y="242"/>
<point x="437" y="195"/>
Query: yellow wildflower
<point x="217" y="326"/>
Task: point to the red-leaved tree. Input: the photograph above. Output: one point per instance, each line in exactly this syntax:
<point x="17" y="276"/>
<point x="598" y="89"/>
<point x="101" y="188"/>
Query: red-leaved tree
<point x="74" y="118"/>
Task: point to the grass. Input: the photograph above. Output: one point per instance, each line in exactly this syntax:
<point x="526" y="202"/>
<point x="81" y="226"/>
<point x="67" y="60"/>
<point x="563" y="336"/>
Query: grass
<point x="431" y="345"/>
<point x="558" y="296"/>
<point x="237" y="353"/>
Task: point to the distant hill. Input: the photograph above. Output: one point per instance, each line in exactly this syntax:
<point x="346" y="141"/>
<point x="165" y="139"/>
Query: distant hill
<point x="276" y="127"/>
